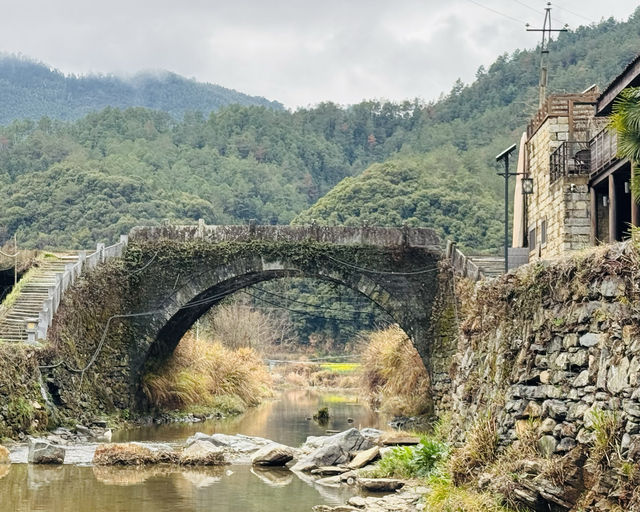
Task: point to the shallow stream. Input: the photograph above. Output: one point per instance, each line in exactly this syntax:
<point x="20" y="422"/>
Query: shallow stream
<point x="25" y="487"/>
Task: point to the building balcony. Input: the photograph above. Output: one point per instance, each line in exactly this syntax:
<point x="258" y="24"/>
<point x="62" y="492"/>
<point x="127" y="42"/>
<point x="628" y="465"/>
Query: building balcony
<point x="604" y="150"/>
<point x="571" y="158"/>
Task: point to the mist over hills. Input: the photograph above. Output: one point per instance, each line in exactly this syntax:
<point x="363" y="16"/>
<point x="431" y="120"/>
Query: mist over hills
<point x="72" y="183"/>
<point x="31" y="90"/>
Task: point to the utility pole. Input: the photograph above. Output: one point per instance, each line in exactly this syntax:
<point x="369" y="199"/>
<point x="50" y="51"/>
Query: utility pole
<point x="544" y="51"/>
<point x="505" y="156"/>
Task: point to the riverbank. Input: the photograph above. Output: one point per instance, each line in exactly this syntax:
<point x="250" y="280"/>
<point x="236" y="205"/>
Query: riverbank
<point x="165" y="487"/>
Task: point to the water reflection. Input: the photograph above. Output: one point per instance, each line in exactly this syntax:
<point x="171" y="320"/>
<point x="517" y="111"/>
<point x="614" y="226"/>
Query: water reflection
<point x="275" y="477"/>
<point x="283" y="420"/>
<point x="170" y="488"/>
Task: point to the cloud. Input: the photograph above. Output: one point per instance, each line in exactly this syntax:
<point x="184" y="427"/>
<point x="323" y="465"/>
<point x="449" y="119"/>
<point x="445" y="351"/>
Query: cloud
<point x="299" y="52"/>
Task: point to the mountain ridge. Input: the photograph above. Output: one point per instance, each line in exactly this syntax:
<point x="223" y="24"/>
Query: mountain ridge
<point x="31" y="90"/>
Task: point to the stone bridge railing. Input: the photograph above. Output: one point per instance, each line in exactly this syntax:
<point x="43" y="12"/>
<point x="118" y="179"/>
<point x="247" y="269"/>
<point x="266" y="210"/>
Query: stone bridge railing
<point x="37" y="327"/>
<point x="382" y="237"/>
<point x="461" y="264"/>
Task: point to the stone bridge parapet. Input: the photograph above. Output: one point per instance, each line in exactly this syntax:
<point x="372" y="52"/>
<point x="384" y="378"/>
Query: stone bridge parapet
<point x="423" y="238"/>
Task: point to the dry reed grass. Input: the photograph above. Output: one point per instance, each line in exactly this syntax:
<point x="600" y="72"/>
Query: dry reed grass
<point x="393" y="374"/>
<point x="479" y="450"/>
<point x="200" y="373"/>
<point x="129" y="454"/>
<point x="4" y="455"/>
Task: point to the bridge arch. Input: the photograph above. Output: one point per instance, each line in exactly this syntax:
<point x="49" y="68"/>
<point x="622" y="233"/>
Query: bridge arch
<point x="206" y="289"/>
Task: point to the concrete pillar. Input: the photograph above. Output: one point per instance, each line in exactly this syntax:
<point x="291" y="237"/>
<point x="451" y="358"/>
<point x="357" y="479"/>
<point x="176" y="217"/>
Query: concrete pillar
<point x="594" y="216"/>
<point x="613" y="214"/>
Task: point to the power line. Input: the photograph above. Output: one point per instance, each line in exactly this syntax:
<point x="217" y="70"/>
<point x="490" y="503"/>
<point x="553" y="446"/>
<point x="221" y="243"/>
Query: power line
<point x="498" y="12"/>
<point x="303" y="312"/>
<point x="384" y="272"/>
<point x="314" y="306"/>
<point x="572" y="12"/>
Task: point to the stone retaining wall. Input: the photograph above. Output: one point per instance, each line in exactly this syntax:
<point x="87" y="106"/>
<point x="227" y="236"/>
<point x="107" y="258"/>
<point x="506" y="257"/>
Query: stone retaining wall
<point x="553" y="347"/>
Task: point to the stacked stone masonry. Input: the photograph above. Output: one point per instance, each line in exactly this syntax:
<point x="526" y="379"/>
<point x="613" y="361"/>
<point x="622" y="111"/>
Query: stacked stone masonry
<point x="576" y="352"/>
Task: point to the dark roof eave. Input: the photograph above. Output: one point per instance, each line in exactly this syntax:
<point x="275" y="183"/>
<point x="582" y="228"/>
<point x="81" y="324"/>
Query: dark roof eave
<point x="630" y="77"/>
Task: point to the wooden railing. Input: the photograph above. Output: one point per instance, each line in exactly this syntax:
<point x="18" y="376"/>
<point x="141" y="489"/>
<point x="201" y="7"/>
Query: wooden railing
<point x="604" y="150"/>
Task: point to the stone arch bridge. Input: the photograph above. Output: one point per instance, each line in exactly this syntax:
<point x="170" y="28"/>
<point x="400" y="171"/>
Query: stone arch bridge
<point x="169" y="276"/>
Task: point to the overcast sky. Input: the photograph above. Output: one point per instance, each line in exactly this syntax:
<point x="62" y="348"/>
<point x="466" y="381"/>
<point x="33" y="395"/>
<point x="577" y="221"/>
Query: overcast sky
<point x="299" y="52"/>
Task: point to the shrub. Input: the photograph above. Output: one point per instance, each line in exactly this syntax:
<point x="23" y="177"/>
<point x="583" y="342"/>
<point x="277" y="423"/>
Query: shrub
<point x="393" y="374"/>
<point x="478" y="451"/>
<point x="410" y="461"/>
<point x="200" y="373"/>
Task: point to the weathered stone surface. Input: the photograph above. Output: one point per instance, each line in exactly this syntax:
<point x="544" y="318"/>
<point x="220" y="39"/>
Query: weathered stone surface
<point x="556" y="409"/>
<point x="618" y="376"/>
<point x="330" y="470"/>
<point x="395" y="438"/>
<point x="581" y="380"/>
<point x="380" y="484"/>
<point x="590" y="339"/>
<point x="273" y="454"/>
<point x="365" y="457"/>
<point x="203" y="453"/>
<point x="547" y="445"/>
<point x="328" y="455"/>
<point x="42" y="451"/>
<point x="238" y="443"/>
<point x="566" y="444"/>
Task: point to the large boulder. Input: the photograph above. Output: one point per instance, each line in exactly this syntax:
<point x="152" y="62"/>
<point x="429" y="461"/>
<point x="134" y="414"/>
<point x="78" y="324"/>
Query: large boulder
<point x="329" y="455"/>
<point x="351" y="440"/>
<point x="42" y="451"/>
<point x="202" y="453"/>
<point x="364" y="457"/>
<point x="237" y="443"/>
<point x="380" y="484"/>
<point x="273" y="454"/>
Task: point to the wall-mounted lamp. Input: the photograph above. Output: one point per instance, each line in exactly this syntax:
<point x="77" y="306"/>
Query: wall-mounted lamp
<point x="527" y="186"/>
<point x="627" y="187"/>
<point x="605" y="201"/>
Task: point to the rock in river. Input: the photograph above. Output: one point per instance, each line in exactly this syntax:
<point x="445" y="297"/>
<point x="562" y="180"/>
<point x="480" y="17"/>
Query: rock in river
<point x="273" y="454"/>
<point x="42" y="451"/>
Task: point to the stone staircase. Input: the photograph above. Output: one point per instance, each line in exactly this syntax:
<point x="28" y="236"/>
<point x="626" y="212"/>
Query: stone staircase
<point x="32" y="295"/>
<point x="490" y="266"/>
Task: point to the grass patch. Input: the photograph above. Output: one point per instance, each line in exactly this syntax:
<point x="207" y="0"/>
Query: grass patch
<point x="393" y="375"/>
<point x="444" y="496"/>
<point x="201" y="373"/>
<point x="341" y="367"/>
<point x="411" y="461"/>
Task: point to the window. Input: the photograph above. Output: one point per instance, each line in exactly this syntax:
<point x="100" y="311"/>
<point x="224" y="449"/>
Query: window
<point x="543" y="232"/>
<point x="532" y="239"/>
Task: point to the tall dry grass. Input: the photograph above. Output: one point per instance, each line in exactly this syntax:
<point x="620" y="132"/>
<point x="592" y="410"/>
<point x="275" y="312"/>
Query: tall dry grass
<point x="393" y="375"/>
<point x="203" y="373"/>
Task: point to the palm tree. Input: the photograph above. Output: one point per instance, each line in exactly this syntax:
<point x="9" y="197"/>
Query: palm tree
<point x="625" y="120"/>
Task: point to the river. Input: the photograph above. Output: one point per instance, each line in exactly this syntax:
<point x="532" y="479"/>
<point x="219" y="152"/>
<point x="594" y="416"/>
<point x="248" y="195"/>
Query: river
<point x="238" y="488"/>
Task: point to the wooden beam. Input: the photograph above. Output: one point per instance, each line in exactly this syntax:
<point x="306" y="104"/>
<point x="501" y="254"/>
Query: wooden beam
<point x="613" y="214"/>
<point x="628" y="77"/>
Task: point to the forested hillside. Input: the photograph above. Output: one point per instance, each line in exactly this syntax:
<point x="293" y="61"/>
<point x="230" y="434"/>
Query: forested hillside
<point x="72" y="183"/>
<point x="30" y="90"/>
<point x="444" y="173"/>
